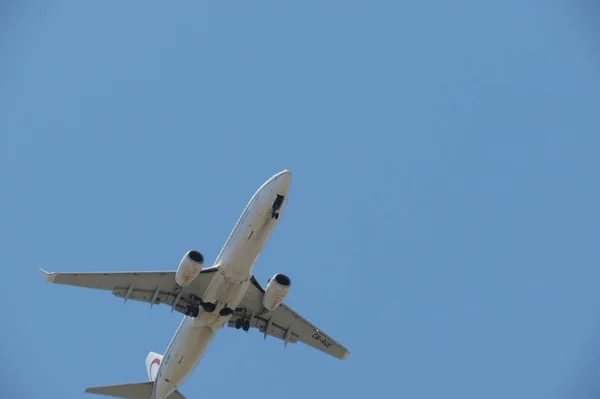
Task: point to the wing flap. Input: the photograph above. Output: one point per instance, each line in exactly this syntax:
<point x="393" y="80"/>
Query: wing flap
<point x="163" y="297"/>
<point x="274" y="330"/>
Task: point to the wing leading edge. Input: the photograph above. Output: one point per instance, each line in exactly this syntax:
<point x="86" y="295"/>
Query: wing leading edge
<point x="285" y="324"/>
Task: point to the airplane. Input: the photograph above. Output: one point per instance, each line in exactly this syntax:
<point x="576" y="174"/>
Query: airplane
<point x="224" y="294"/>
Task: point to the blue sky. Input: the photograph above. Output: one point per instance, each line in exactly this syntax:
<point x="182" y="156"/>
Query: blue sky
<point x="443" y="217"/>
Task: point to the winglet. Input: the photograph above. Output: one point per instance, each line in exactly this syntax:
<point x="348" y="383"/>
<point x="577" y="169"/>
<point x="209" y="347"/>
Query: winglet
<point x="48" y="277"/>
<point x="345" y="355"/>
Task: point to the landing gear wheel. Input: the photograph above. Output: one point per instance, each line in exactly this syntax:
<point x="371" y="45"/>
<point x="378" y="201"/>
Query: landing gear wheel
<point x="192" y="311"/>
<point x="275" y="215"/>
<point x="238" y="324"/>
<point x="246" y="325"/>
<point x="209" y="307"/>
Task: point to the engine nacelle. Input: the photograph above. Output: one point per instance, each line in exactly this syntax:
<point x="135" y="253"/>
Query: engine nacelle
<point x="276" y="291"/>
<point x="189" y="268"/>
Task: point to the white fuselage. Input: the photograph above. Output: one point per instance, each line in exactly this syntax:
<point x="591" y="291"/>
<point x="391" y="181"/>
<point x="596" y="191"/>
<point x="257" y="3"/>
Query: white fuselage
<point x="227" y="287"/>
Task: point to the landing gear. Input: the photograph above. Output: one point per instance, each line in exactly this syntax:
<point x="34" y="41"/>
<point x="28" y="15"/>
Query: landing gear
<point x="239" y="323"/>
<point x="276" y="205"/>
<point x="192" y="311"/>
<point x="243" y="324"/>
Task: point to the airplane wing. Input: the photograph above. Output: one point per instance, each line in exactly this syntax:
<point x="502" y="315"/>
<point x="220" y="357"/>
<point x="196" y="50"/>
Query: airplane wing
<point x="285" y="324"/>
<point x="151" y="287"/>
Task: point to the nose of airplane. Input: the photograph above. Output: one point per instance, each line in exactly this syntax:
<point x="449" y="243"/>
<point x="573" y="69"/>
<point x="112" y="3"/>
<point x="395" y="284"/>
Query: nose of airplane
<point x="271" y="197"/>
<point x="286" y="173"/>
<point x="283" y="180"/>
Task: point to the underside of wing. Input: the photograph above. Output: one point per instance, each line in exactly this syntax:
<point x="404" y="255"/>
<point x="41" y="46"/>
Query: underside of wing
<point x="283" y="323"/>
<point x="152" y="287"/>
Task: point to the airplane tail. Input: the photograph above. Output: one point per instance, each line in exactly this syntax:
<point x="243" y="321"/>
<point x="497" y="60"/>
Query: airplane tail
<point x="153" y="361"/>
<point x="137" y="390"/>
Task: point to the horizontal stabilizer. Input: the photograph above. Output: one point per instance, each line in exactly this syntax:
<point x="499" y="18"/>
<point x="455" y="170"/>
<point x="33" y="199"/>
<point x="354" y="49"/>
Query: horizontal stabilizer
<point x="137" y="390"/>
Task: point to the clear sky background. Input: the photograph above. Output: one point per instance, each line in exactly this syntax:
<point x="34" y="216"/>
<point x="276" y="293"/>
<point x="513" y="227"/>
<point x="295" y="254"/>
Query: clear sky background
<point x="444" y="210"/>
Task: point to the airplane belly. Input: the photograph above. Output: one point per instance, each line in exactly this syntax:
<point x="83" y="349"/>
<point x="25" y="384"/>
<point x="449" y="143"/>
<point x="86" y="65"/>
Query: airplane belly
<point x="247" y="233"/>
<point x="253" y="229"/>
<point x="225" y="291"/>
<point x="183" y="355"/>
<point x="239" y="257"/>
<point x="189" y="354"/>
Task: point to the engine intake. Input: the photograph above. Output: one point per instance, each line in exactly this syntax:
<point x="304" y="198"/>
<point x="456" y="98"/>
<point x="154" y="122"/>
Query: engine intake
<point x="189" y="268"/>
<point x="196" y="256"/>
<point x="277" y="289"/>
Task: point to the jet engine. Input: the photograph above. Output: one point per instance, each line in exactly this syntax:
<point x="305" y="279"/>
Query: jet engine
<point x="189" y="268"/>
<point x="276" y="291"/>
